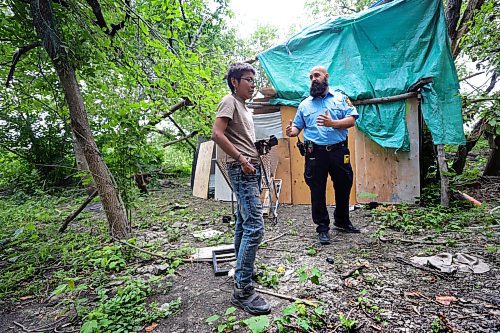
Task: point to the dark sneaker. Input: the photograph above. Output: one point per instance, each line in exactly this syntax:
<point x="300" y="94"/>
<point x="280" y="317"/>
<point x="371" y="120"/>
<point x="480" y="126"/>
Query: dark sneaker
<point x="348" y="227"/>
<point x="324" y="238"/>
<point x="251" y="302"/>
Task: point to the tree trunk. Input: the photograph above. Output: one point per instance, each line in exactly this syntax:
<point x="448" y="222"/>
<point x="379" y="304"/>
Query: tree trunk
<point x="463" y="150"/>
<point x="493" y="166"/>
<point x="44" y="23"/>
<point x="82" y="165"/>
<point x="458" y="23"/>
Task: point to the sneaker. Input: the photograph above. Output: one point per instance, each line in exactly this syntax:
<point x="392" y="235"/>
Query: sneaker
<point x="249" y="301"/>
<point x="347" y="227"/>
<point x="324" y="238"/>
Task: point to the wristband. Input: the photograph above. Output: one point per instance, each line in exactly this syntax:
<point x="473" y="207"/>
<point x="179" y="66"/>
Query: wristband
<point x="237" y="159"/>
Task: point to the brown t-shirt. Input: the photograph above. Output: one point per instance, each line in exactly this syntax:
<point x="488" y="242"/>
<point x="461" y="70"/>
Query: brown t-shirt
<point x="240" y="130"/>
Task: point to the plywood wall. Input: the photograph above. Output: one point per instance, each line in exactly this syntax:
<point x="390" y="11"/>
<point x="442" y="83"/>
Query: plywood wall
<point x="384" y="175"/>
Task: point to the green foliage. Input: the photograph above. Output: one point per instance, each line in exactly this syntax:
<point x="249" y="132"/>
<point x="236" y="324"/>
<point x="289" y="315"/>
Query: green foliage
<point x="321" y="9"/>
<point x="437" y="326"/>
<point x="268" y="277"/>
<point x="349" y="325"/>
<point x="367" y="306"/>
<point x="17" y="174"/>
<point x="299" y="315"/>
<point x="411" y="219"/>
<point x="126" y="311"/>
<point x="311" y="251"/>
<point x="177" y="160"/>
<point x="165" y="51"/>
<point x="228" y="323"/>
<point x="29" y="241"/>
<point x="257" y="324"/>
<point x="109" y="258"/>
<point x="309" y="274"/>
<point x="481" y="43"/>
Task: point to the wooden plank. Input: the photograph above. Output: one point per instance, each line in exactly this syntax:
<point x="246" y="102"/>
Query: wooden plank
<point x="265" y="202"/>
<point x="384" y="175"/>
<point x="202" y="174"/>
<point x="283" y="171"/>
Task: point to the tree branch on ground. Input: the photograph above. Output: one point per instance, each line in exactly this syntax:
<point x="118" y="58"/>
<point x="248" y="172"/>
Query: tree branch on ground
<point x="17" y="55"/>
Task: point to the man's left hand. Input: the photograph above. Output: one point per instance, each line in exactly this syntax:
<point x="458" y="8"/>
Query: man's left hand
<point x="325" y="120"/>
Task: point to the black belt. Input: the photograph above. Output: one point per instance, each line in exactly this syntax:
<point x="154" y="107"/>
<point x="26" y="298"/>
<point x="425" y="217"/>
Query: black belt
<point x="334" y="146"/>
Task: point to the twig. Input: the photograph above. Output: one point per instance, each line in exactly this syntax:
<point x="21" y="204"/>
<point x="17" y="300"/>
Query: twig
<point x="288" y="297"/>
<point x="273" y="249"/>
<point x="139" y="249"/>
<point x="411" y="241"/>
<point x="272" y="239"/>
<point x="23" y="328"/>
<point x="188" y="260"/>
<point x="352" y="271"/>
<point x="439" y="274"/>
<point x="78" y="211"/>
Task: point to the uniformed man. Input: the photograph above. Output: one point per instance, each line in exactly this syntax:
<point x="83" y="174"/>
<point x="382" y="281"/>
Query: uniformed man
<point x="325" y="117"/>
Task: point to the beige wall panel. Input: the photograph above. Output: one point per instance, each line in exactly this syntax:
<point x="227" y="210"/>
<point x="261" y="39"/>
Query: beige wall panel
<point x="202" y="174"/>
<point x="283" y="171"/>
<point x="384" y="175"/>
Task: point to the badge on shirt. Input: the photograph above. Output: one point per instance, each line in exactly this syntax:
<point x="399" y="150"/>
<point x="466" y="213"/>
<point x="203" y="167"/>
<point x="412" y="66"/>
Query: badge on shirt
<point x="346" y="159"/>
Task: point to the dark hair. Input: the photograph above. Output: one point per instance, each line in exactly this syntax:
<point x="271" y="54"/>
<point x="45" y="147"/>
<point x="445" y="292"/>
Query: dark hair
<point x="236" y="71"/>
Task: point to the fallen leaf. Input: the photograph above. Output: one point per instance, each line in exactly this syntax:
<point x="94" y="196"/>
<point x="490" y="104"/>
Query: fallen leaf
<point x="23" y="298"/>
<point x="446" y="300"/>
<point x="151" y="327"/>
<point x="413" y="293"/>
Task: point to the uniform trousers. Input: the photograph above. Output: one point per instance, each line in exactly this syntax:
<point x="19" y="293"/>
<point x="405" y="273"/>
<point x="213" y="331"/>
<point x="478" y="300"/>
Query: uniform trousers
<point x="318" y="165"/>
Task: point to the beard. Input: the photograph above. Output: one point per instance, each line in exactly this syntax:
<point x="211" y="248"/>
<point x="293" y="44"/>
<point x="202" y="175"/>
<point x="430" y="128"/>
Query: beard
<point x="318" y="88"/>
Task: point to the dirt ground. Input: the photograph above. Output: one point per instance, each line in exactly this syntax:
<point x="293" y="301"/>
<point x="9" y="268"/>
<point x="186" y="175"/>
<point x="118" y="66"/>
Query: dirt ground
<point x="386" y="295"/>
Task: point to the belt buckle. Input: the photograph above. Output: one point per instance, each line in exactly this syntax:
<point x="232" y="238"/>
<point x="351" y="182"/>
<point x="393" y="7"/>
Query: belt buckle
<point x="329" y="147"/>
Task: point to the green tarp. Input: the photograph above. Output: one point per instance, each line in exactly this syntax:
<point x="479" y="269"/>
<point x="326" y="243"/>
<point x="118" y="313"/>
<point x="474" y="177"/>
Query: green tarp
<point x="379" y="52"/>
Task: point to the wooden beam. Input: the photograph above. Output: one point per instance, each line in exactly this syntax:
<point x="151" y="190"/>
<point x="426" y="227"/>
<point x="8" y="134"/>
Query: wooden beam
<point x="443" y="172"/>
<point x="389" y="99"/>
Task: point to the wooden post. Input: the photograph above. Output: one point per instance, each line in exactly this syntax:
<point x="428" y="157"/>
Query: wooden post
<point x="443" y="171"/>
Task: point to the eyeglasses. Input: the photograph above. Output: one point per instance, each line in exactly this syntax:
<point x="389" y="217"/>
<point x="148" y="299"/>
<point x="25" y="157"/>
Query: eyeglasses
<point x="250" y="80"/>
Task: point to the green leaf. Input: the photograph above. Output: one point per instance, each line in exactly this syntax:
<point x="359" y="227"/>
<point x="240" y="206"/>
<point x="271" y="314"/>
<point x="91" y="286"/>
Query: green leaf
<point x="257" y="324"/>
<point x="60" y="289"/>
<point x="89" y="326"/>
<point x="230" y="310"/>
<point x="290" y="310"/>
<point x="213" y="318"/>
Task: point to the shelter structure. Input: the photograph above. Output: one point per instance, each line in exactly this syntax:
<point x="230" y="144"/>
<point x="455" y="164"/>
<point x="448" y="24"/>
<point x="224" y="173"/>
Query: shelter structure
<point x="394" y="62"/>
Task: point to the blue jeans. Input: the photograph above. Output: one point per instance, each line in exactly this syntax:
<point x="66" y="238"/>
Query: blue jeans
<point x="249" y="227"/>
